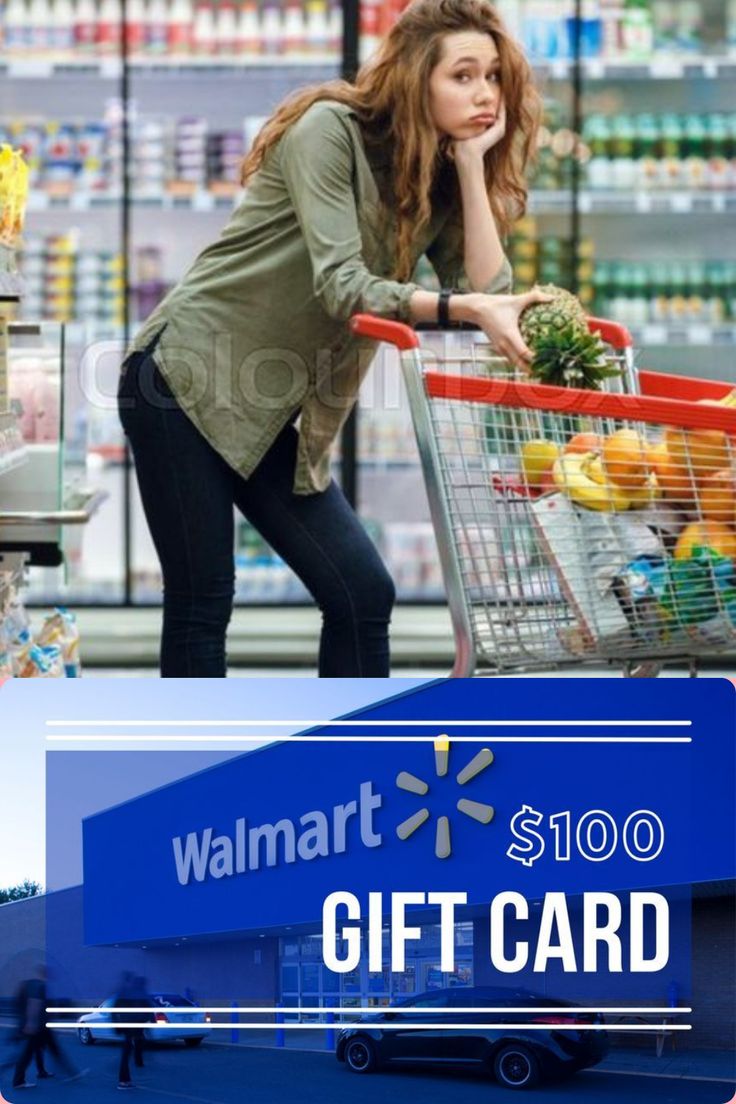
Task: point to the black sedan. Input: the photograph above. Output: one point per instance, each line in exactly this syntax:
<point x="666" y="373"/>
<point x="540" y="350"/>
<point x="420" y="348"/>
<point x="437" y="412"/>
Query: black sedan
<point x="424" y="1029"/>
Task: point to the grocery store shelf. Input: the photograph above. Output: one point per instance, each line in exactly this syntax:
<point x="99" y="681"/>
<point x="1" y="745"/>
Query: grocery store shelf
<point x="542" y="202"/>
<point x="11" y="460"/>
<point x="683" y="334"/>
<point x="44" y="68"/>
<point x="76" y="200"/>
<point x="676" y="67"/>
<point x="14" y="448"/>
<point x="653" y="203"/>
<point x="109" y="68"/>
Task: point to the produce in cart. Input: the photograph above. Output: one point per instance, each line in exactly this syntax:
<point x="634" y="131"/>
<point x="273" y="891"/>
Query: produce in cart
<point x="566" y="353"/>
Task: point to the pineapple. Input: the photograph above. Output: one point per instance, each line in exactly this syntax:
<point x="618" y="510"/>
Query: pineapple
<point x="566" y="353"/>
<point x="542" y="318"/>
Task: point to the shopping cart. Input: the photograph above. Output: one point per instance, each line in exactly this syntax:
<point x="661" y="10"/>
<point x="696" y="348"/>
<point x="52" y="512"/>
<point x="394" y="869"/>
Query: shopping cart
<point x="573" y="526"/>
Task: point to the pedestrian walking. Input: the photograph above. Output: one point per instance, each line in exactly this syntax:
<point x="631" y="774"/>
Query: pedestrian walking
<point x="35" y="1037"/>
<point x="132" y="994"/>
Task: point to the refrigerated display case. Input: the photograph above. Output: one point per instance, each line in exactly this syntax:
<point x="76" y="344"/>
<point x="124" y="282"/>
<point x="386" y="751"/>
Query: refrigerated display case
<point x="45" y="494"/>
<point x="631" y="207"/>
<point x="135" y="132"/>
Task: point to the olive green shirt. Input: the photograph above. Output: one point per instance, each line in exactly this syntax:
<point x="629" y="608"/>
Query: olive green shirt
<point x="258" y="327"/>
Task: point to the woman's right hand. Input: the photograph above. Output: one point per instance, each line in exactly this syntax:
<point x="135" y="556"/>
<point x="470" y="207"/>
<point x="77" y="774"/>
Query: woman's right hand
<point x="498" y="317"/>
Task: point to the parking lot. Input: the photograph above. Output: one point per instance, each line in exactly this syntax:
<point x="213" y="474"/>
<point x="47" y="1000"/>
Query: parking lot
<point x="218" y="1074"/>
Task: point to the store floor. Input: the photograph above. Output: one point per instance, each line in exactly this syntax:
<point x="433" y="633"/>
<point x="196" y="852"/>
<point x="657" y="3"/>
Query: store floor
<point x="282" y="642"/>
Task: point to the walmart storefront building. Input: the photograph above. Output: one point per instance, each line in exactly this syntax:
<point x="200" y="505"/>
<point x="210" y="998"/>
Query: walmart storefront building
<point x="215" y="884"/>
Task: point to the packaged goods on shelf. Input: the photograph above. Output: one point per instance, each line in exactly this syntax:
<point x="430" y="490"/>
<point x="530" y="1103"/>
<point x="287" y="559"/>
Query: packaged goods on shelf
<point x="261" y="574"/>
<point x="669" y="151"/>
<point x="78" y="158"/>
<point x="538" y="258"/>
<point x="666" y="292"/>
<point x="51" y="653"/>
<point x="150" y="286"/>
<point x="410" y="551"/>
<point x="65" y="283"/>
<point x="35" y="398"/>
<point x="616" y="30"/>
<point x="556" y="146"/>
<point x="172" y="29"/>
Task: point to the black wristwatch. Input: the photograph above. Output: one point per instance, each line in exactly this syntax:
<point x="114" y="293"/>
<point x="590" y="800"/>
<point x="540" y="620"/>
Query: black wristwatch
<point x="443" y="307"/>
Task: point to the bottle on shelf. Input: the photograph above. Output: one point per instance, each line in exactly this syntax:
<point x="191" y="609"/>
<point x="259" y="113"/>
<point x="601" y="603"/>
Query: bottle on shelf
<point x="156" y="28"/>
<point x="664" y="26"/>
<point x="180" y="28"/>
<point x="61" y="28"/>
<point x="108" y="28"/>
<point x="85" y="26"/>
<point x="731" y="28"/>
<point x="666" y="293"/>
<point x="248" y="31"/>
<point x="295" y="29"/>
<point x="203" y="37"/>
<point x="316" y="28"/>
<point x="334" y="28"/>
<point x="689" y="30"/>
<point x="637" y="30"/>
<point x="135" y="27"/>
<point x="16" y="37"/>
<point x="39" y="27"/>
<point x="272" y="29"/>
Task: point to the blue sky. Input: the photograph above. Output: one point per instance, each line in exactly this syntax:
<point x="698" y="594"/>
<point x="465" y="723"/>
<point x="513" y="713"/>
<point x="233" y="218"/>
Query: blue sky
<point x="26" y="706"/>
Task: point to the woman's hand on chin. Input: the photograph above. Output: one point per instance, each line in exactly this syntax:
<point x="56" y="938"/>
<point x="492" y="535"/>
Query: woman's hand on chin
<point x="469" y="150"/>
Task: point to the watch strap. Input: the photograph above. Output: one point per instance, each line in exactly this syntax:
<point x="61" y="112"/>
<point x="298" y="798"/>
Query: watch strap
<point x="443" y="307"/>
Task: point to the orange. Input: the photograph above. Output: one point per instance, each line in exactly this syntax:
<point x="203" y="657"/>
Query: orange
<point x="583" y="442"/>
<point x="703" y="451"/>
<point x="625" y="458"/>
<point x="706" y="534"/>
<point x="675" y="483"/>
<point x="718" y="497"/>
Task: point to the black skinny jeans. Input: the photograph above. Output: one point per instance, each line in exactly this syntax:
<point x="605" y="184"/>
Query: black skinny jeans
<point x="188" y="492"/>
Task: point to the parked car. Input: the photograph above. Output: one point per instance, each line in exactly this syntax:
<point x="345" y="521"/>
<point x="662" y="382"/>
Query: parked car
<point x="192" y="1026"/>
<point x="519" y="1058"/>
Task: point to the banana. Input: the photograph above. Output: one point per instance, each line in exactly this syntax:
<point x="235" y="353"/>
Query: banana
<point x="582" y="479"/>
<point x="639" y="497"/>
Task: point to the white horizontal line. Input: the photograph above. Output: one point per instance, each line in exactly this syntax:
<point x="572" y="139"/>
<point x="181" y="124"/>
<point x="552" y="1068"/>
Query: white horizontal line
<point x="640" y="1073"/>
<point x="216" y="739"/>
<point x="371" y="724"/>
<point x="291" y="1010"/>
<point x="383" y="1027"/>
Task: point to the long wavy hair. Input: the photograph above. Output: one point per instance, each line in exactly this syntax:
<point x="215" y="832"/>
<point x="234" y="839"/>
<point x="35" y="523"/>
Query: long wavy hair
<point x="390" y="96"/>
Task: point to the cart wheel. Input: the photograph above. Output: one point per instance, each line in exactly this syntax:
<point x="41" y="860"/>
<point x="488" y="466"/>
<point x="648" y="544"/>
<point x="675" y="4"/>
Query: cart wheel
<point x="644" y="669"/>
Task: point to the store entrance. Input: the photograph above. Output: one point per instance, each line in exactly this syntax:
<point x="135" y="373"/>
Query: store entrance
<point x="306" y="982"/>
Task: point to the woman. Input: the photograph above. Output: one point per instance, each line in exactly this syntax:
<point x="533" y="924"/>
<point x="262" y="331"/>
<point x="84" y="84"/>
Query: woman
<point x="347" y="186"/>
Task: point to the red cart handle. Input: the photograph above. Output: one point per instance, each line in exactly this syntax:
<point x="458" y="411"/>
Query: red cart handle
<point x="613" y="333"/>
<point x="404" y="337"/>
<point x="569" y="400"/>
<point x="663" y="385"/>
<point x="382" y="329"/>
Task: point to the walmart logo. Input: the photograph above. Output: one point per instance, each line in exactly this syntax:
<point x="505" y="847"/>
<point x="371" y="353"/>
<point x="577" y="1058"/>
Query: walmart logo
<point x="477" y="810"/>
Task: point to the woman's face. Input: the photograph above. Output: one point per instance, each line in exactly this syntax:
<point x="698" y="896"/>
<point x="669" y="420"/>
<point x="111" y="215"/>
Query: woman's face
<point x="464" y="86"/>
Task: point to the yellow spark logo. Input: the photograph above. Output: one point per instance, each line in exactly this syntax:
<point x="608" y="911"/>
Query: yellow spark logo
<point x="477" y="810"/>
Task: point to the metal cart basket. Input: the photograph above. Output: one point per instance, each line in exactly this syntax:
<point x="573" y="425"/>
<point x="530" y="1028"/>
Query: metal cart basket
<point x="573" y="526"/>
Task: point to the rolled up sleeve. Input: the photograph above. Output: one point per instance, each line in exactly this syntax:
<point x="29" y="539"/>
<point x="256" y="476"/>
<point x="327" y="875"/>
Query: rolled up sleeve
<point x="446" y="255"/>
<point x="317" y="164"/>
